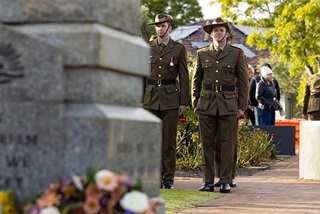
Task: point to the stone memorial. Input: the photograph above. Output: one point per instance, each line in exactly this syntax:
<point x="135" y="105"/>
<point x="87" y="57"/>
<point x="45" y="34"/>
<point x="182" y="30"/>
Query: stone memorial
<point x="309" y="156"/>
<point x="70" y="92"/>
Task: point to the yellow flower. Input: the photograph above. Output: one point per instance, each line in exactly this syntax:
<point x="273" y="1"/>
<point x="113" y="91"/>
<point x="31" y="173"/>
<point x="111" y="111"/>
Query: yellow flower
<point x="4" y="197"/>
<point x="9" y="209"/>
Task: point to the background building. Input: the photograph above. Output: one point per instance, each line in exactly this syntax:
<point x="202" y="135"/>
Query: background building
<point x="194" y="37"/>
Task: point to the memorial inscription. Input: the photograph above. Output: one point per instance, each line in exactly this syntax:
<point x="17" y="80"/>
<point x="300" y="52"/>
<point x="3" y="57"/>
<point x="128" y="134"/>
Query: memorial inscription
<point x="16" y="160"/>
<point x="10" y="65"/>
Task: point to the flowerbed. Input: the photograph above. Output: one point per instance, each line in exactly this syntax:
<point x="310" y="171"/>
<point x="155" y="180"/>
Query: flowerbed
<point x="100" y="192"/>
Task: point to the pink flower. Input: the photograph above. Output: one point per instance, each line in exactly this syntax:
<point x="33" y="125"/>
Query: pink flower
<point x="106" y="180"/>
<point x="91" y="205"/>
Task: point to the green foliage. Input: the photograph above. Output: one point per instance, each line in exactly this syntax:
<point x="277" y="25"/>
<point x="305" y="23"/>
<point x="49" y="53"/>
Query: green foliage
<point x="254" y="147"/>
<point x="178" y="200"/>
<point x="294" y="30"/>
<point x="189" y="154"/>
<point x="183" y="11"/>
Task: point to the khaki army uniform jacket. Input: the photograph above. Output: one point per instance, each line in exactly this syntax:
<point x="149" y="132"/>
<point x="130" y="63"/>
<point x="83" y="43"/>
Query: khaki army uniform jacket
<point x="171" y="64"/>
<point x="227" y="70"/>
<point x="312" y="89"/>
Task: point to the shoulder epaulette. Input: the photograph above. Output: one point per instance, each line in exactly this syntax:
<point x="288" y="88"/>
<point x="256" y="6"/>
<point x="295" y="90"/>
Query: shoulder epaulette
<point x="202" y="48"/>
<point x="177" y="42"/>
<point x="235" y="47"/>
<point x="153" y="38"/>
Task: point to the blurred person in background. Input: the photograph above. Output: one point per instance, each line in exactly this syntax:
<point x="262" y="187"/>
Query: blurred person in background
<point x="312" y="88"/>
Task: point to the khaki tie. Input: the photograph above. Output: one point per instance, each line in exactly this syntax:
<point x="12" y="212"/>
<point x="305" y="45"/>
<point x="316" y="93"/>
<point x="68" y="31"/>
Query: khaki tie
<point x="218" y="52"/>
<point x="162" y="47"/>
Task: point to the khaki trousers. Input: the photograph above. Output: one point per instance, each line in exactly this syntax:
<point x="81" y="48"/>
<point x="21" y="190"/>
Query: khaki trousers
<point x="218" y="132"/>
<point x="169" y="141"/>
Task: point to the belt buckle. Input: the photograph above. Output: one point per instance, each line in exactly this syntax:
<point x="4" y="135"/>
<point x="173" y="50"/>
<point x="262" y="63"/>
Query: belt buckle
<point x="159" y="83"/>
<point x="217" y="88"/>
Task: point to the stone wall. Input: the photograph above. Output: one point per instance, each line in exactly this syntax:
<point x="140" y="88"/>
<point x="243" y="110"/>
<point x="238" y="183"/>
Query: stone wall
<point x="70" y="91"/>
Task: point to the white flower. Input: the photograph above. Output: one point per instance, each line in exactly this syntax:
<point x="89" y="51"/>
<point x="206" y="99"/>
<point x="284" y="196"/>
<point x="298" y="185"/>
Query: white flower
<point x="135" y="202"/>
<point x="50" y="210"/>
<point x="77" y="182"/>
<point x="106" y="180"/>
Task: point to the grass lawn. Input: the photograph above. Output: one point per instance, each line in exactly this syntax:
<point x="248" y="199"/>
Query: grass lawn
<point x="177" y="200"/>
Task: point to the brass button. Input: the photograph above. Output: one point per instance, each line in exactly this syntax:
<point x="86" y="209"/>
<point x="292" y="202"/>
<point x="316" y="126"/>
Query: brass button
<point x="217" y="80"/>
<point x="217" y="71"/>
<point x="159" y="75"/>
<point x="160" y="58"/>
<point x="160" y="66"/>
<point x="217" y="62"/>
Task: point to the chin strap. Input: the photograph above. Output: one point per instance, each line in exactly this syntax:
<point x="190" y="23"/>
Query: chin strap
<point x="223" y="37"/>
<point x="164" y="32"/>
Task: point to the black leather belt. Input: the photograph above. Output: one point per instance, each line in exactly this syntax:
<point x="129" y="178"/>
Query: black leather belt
<point x="218" y="88"/>
<point x="161" y="82"/>
<point x="316" y="96"/>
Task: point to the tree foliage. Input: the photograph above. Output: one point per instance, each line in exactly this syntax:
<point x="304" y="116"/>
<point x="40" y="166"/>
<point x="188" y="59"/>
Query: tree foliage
<point x="293" y="28"/>
<point x="183" y="12"/>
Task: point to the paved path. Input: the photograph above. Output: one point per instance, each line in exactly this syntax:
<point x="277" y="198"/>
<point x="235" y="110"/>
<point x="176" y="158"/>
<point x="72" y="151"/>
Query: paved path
<point x="276" y="190"/>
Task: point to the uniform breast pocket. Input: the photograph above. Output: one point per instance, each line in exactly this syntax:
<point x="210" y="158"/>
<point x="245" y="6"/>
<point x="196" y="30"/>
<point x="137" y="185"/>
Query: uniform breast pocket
<point x="230" y="71"/>
<point x="207" y="67"/>
<point x="153" y="64"/>
<point x="172" y="66"/>
<point x="231" y="101"/>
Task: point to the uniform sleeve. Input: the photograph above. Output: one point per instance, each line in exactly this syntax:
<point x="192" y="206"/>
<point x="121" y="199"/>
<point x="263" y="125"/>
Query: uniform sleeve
<point x="243" y="83"/>
<point x="183" y="77"/>
<point x="306" y="97"/>
<point x="196" y="81"/>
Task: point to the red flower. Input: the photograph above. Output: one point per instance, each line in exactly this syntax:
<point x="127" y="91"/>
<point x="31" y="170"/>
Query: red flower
<point x="183" y="120"/>
<point x="273" y="135"/>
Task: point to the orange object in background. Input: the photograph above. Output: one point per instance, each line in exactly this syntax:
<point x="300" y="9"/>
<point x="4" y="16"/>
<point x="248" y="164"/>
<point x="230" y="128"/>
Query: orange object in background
<point x="292" y="122"/>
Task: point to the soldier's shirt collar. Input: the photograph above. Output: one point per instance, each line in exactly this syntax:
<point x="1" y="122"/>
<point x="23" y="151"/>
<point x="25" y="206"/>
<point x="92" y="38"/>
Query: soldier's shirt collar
<point x="162" y="41"/>
<point x="216" y="48"/>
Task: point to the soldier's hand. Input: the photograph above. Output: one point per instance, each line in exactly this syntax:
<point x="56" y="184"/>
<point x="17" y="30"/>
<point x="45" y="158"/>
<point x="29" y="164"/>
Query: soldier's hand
<point x="240" y="113"/>
<point x="182" y="108"/>
<point x="195" y="111"/>
<point x="305" y="116"/>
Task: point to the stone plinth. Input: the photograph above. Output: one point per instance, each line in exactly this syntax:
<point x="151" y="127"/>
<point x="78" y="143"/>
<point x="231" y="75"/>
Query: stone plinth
<point x="118" y="14"/>
<point x="71" y="83"/>
<point x="309" y="158"/>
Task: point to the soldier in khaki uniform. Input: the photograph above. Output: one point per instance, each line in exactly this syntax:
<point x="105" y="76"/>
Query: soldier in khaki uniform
<point x="167" y="90"/>
<point x="312" y="89"/>
<point x="219" y="68"/>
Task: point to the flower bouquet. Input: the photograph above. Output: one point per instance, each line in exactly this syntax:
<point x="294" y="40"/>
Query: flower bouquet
<point x="8" y="203"/>
<point x="102" y="192"/>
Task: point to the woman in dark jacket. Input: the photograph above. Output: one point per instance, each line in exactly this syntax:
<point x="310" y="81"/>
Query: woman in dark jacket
<point x="266" y="95"/>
